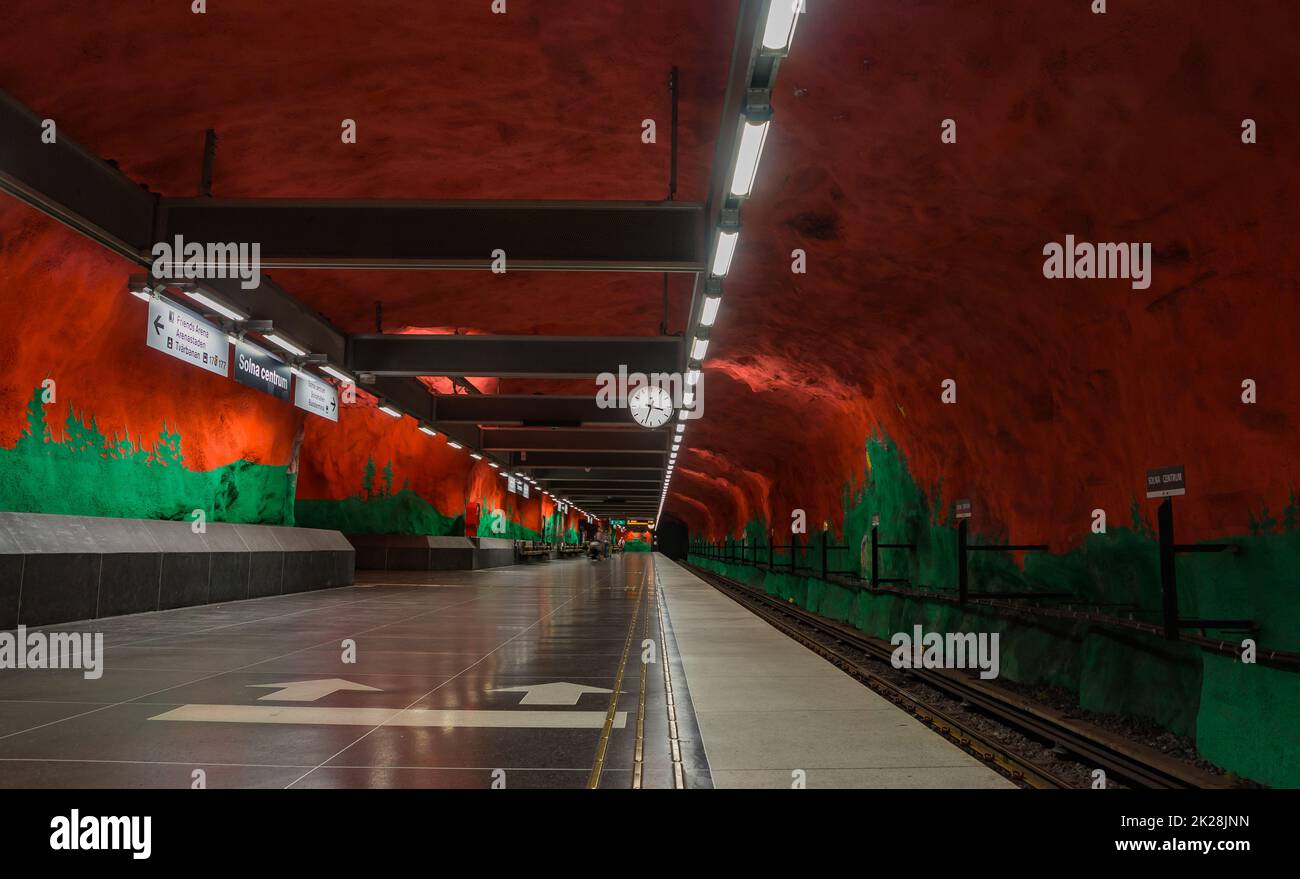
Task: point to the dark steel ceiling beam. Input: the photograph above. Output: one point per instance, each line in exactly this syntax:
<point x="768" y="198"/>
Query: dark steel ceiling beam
<point x="376" y="234"/>
<point x="511" y="356"/>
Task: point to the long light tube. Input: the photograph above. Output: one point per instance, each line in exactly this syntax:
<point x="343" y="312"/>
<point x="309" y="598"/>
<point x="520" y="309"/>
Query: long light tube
<point x="219" y="307"/>
<point x="281" y="341"/>
<point x="748" y="155"/>
<point x="338" y="374"/>
<point x="782" y="17"/>
<point x="710" y="312"/>
<point x="723" y="253"/>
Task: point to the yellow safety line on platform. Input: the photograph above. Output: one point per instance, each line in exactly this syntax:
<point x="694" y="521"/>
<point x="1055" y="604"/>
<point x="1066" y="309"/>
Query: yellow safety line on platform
<point x="638" y="765"/>
<point x="602" y="747"/>
<point x="679" y="776"/>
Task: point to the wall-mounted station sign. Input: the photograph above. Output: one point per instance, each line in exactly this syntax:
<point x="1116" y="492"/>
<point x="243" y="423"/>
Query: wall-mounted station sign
<point x="186" y="336"/>
<point x="1166" y="482"/>
<point x="258" y="368"/>
<point x="316" y="396"/>
<point x="961" y="509"/>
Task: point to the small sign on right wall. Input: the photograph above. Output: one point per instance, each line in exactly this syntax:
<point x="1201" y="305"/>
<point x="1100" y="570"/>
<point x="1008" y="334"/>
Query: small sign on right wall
<point x="1166" y="482"/>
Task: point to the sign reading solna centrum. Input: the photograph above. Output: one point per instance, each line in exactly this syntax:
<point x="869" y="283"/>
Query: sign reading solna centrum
<point x="186" y="336"/>
<point x="1166" y="482"/>
<point x="258" y="368"/>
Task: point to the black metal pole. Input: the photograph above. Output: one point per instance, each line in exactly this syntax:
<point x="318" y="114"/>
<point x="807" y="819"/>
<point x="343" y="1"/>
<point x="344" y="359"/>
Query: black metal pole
<point x="794" y="551"/>
<point x="826" y="536"/>
<point x="770" y="540"/>
<point x="1168" y="577"/>
<point x="962" y="579"/>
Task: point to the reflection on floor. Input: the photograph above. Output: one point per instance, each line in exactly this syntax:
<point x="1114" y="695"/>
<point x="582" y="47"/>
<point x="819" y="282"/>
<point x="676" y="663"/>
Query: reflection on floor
<point x="475" y="679"/>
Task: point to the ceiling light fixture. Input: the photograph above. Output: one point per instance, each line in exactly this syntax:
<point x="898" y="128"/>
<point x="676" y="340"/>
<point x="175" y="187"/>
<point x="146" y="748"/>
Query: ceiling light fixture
<point x="724" y="252"/>
<point x="216" y="305"/>
<point x="338" y="374"/>
<point x="710" y="312"/>
<point x="752" y="138"/>
<point x="782" y="18"/>
<point x="281" y="341"/>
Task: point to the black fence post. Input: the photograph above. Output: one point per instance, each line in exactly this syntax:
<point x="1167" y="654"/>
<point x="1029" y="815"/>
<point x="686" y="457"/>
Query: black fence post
<point x="771" y="539"/>
<point x="963" y="586"/>
<point x="794" y="551"/>
<point x="1168" y="575"/>
<point x="826" y="537"/>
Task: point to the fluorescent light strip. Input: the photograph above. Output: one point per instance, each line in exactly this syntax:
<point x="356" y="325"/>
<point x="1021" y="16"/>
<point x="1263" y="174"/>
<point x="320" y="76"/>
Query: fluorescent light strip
<point x="747" y="158"/>
<point x="454" y="445"/>
<point x="338" y="374"/>
<point x="710" y="312"/>
<point x="699" y="348"/>
<point x="389" y="410"/>
<point x="276" y="339"/>
<point x="693" y="377"/>
<point x="429" y="431"/>
<point x="141" y="294"/>
<point x="219" y="307"/>
<point x="725" y="250"/>
<point x="476" y="456"/>
<point x="782" y="17"/>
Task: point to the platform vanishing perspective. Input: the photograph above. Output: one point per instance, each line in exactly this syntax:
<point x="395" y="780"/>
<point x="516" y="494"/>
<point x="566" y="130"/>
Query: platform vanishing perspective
<point x="501" y="677"/>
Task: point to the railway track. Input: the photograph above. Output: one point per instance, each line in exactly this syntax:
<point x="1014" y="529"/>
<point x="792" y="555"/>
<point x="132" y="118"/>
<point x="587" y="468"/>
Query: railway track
<point x="1133" y="764"/>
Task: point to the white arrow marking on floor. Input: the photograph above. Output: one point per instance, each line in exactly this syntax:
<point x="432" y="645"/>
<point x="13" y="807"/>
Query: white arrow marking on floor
<point x="558" y="693"/>
<point x="310" y="691"/>
<point x="417" y="717"/>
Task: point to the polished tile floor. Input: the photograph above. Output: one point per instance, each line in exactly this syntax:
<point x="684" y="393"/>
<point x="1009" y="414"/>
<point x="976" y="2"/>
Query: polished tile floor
<point x="460" y="679"/>
<point x="468" y="679"/>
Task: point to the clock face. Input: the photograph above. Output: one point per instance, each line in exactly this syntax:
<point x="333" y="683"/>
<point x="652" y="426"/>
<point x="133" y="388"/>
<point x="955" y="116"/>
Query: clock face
<point x="651" y="406"/>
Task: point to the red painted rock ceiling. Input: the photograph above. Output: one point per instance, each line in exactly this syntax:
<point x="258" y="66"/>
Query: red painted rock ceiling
<point x="924" y="258"/>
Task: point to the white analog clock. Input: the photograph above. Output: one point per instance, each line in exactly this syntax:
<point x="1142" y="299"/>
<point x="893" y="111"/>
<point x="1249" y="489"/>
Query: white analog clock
<point x="651" y="406"/>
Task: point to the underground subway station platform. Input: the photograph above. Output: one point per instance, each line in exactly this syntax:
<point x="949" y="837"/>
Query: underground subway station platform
<point x="889" y="401"/>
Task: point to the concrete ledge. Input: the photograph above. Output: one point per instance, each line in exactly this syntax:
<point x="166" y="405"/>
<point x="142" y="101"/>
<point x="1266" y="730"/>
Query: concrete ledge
<point x="412" y="552"/>
<point x="56" y="569"/>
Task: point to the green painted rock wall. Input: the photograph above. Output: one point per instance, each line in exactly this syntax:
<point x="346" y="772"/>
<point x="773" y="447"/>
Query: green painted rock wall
<point x="1244" y="717"/>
